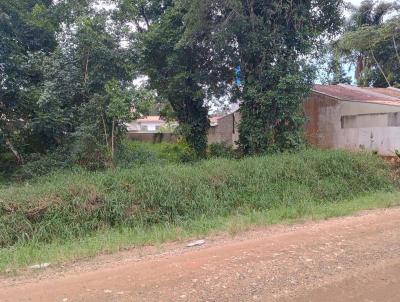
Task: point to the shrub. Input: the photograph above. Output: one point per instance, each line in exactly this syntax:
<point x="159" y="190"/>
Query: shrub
<point x="134" y="153"/>
<point x="178" y="153"/>
<point x="41" y="164"/>
<point x="86" y="151"/>
<point x="130" y="154"/>
<point x="7" y="164"/>
<point x="221" y="150"/>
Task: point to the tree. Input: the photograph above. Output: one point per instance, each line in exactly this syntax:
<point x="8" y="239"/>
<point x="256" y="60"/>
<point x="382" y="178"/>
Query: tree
<point x="88" y="88"/>
<point x="180" y="72"/>
<point x="362" y="43"/>
<point x="174" y="70"/>
<point x="118" y="111"/>
<point x="379" y="48"/>
<point x="27" y="36"/>
<point x="332" y="69"/>
<point x="269" y="41"/>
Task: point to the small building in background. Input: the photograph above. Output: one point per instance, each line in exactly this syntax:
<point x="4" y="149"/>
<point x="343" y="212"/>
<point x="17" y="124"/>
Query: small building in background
<point x="224" y="129"/>
<point x="354" y="118"/>
<point x="148" y="124"/>
<point x="151" y="129"/>
<point x="338" y="117"/>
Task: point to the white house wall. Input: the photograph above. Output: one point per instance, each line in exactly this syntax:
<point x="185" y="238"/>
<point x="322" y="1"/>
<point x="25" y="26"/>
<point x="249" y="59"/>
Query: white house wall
<point x="370" y="131"/>
<point x="384" y="140"/>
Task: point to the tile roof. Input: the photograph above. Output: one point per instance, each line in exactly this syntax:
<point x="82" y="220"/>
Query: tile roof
<point x="384" y="96"/>
<point x="395" y="92"/>
<point x="150" y="118"/>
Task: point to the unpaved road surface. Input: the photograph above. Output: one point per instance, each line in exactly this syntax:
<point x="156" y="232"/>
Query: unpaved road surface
<point x="347" y="259"/>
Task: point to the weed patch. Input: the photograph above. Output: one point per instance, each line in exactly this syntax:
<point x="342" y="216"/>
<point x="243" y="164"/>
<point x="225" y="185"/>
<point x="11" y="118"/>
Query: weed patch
<point x="66" y="206"/>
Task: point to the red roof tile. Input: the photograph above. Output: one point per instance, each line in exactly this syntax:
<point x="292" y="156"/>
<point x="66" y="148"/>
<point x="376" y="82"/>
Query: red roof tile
<point x="395" y="92"/>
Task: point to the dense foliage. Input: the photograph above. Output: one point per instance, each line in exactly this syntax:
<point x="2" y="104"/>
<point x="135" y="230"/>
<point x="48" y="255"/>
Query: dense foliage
<point x="175" y="71"/>
<point x="68" y="70"/>
<point x="371" y="42"/>
<point x="26" y="38"/>
<point x="268" y="40"/>
<point x="66" y="84"/>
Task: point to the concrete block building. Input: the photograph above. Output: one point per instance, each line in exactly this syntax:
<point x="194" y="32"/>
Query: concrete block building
<point x="355" y="118"/>
<point x="338" y="117"/>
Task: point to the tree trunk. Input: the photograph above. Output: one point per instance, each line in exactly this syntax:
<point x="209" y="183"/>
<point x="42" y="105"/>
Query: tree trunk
<point x="14" y="151"/>
<point x="359" y="67"/>
<point x="380" y="68"/>
<point x="112" y="140"/>
<point x="105" y="131"/>
<point x="396" y="49"/>
<point x="86" y="68"/>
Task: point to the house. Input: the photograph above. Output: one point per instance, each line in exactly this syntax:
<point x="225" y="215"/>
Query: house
<point x="355" y="118"/>
<point x="148" y="124"/>
<point x="151" y="129"/>
<point x="224" y="129"/>
<point x="338" y="117"/>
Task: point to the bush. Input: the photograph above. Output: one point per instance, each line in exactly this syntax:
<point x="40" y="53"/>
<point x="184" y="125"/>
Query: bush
<point x="7" y="164"/>
<point x="41" y="164"/>
<point x="131" y="154"/>
<point x="86" y="151"/>
<point x="221" y="150"/>
<point x="75" y="204"/>
<point x="134" y="153"/>
<point x="81" y="152"/>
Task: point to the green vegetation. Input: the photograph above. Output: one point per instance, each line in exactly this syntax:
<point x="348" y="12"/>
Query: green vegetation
<point x="370" y="43"/>
<point x="174" y="71"/>
<point x="148" y="201"/>
<point x="68" y="71"/>
<point x="134" y="153"/>
<point x="70" y="183"/>
<point x="128" y="154"/>
<point x="268" y="42"/>
<point x="116" y="239"/>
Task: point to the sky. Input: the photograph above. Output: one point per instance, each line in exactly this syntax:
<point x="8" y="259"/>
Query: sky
<point x="355" y="2"/>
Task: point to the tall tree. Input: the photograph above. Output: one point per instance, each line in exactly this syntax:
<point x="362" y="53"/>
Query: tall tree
<point x="333" y="68"/>
<point x="27" y="35"/>
<point x="82" y="74"/>
<point x="356" y="44"/>
<point x="269" y="41"/>
<point x="175" y="69"/>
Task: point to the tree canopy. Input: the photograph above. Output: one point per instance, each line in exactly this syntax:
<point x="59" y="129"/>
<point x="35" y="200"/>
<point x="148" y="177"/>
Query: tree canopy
<point x="269" y="41"/>
<point x="27" y="37"/>
<point x="371" y="42"/>
<point x="68" y="69"/>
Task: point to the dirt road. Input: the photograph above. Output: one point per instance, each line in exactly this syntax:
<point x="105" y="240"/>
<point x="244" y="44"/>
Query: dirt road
<point x="347" y="259"/>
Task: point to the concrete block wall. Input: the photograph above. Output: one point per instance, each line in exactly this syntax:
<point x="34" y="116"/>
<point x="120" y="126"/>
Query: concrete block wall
<point x="353" y="125"/>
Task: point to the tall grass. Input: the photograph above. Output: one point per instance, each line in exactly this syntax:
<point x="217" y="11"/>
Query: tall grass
<point x="76" y="204"/>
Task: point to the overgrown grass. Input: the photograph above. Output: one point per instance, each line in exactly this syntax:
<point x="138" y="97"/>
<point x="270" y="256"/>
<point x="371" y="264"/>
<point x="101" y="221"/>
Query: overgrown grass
<point x="116" y="239"/>
<point x="134" y="153"/>
<point x="77" y="214"/>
